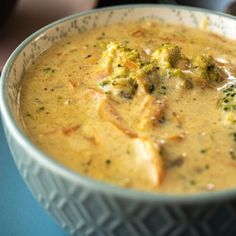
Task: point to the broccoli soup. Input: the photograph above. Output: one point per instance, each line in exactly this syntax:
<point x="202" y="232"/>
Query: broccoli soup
<point x="145" y="105"/>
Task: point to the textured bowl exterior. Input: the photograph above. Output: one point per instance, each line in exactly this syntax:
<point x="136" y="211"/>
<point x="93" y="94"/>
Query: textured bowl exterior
<point x="86" y="207"/>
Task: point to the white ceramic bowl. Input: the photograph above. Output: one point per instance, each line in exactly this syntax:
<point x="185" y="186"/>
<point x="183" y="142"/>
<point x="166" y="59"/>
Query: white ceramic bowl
<point x="83" y="206"/>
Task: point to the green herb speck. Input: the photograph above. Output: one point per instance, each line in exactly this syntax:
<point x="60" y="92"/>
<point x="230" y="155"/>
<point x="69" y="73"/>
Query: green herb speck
<point x="207" y="167"/>
<point x="108" y="161"/>
<point x="28" y="114"/>
<point x="203" y="151"/>
<point x="49" y="69"/>
<point x="40" y="109"/>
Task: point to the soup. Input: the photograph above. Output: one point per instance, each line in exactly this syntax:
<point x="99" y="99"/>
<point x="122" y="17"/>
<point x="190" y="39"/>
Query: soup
<point x="146" y="105"/>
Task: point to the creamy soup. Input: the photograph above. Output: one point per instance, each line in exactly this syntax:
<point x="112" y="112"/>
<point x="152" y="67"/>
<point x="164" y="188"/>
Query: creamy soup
<point x="145" y="105"/>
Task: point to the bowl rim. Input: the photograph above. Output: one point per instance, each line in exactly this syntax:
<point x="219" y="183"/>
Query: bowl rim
<point x="90" y="183"/>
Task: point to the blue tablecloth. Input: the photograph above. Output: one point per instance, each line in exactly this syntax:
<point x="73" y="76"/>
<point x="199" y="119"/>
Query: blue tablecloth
<point x="20" y="214"/>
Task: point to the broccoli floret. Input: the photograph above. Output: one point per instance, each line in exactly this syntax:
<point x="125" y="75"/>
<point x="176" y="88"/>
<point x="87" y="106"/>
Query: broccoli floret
<point x="204" y="67"/>
<point x="123" y="64"/>
<point x="171" y="61"/>
<point x="167" y="56"/>
<point x="228" y="104"/>
<point x="126" y="70"/>
<point x="163" y="64"/>
<point x="150" y="74"/>
<point x="118" y="58"/>
<point x="125" y="87"/>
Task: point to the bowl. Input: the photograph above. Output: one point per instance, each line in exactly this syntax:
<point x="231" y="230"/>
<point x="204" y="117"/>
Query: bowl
<point x="81" y="205"/>
<point x="219" y="5"/>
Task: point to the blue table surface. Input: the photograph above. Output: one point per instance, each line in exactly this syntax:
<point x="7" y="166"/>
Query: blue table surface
<point x="20" y="214"/>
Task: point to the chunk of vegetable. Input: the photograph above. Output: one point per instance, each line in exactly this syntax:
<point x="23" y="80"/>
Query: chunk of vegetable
<point x="122" y="64"/>
<point x="167" y="56"/>
<point x="149" y="156"/>
<point x="126" y="70"/>
<point x="205" y="68"/>
<point x="171" y="62"/>
<point x="108" y="113"/>
<point x="152" y="113"/>
<point x="228" y="105"/>
<point x="149" y="77"/>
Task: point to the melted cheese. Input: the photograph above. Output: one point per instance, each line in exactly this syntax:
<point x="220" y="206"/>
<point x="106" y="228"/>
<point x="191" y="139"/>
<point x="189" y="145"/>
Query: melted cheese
<point x="173" y="139"/>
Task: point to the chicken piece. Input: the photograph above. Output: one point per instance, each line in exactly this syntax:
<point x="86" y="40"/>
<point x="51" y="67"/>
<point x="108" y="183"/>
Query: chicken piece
<point x="148" y="154"/>
<point x="152" y="113"/>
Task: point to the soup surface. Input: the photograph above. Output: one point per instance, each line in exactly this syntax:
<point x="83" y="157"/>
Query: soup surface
<point x="142" y="105"/>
